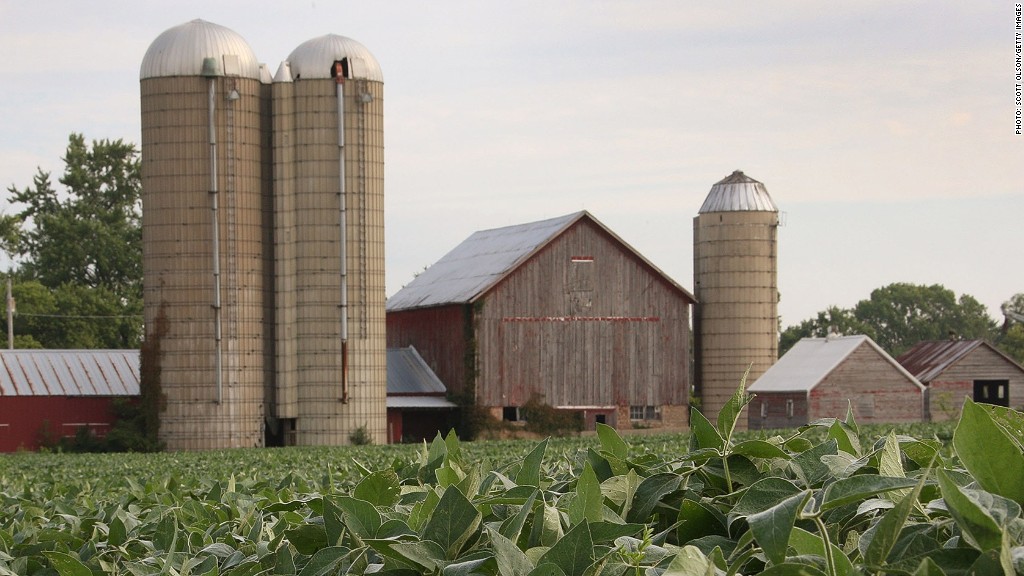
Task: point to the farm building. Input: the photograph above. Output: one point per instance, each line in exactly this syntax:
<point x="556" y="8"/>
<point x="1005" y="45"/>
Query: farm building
<point x="417" y="405"/>
<point x="54" y="393"/>
<point x="823" y="377"/>
<point x="954" y="369"/>
<point x="561" y="310"/>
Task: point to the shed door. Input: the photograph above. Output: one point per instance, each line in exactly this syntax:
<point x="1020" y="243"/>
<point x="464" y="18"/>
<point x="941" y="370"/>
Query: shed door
<point x="992" y="392"/>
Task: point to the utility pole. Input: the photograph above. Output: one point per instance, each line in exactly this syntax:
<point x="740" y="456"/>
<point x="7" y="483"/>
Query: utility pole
<point x="10" y="316"/>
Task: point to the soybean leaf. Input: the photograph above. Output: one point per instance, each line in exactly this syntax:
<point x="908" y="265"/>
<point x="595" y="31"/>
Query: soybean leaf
<point x="324" y="561"/>
<point x="589" y="501"/>
<point x="988" y="452"/>
<point x="845" y="436"/>
<point x="703" y="433"/>
<point x="648" y="493"/>
<point x="381" y="488"/>
<point x="730" y="413"/>
<point x="805" y="543"/>
<point x="361" y="517"/>
<point x="699" y="519"/>
<point x="979" y="528"/>
<point x="689" y="561"/>
<point x="425" y="553"/>
<point x="529" y="473"/>
<point x="762" y="495"/>
<point x="455" y="519"/>
<point x="574" y="553"/>
<point x="759" y="449"/>
<point x="808" y="464"/>
<point x="307" y="538"/>
<point x="611" y="442"/>
<point x="887" y="530"/>
<point x="66" y="564"/>
<point x="793" y="569"/>
<point x="772" y="527"/>
<point x="510" y="559"/>
<point x="513" y="526"/>
<point x="858" y="488"/>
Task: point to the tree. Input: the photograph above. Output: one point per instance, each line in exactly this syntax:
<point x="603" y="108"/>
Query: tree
<point x="899" y="316"/>
<point x="1011" y="334"/>
<point x="81" y="245"/>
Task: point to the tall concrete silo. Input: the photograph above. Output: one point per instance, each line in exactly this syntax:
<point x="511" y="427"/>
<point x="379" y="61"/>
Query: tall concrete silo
<point x="329" y="233"/>
<point x="203" y="236"/>
<point x="736" y="284"/>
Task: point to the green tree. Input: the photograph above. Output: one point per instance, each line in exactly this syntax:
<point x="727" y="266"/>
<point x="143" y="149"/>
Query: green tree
<point x="83" y="246"/>
<point x="1011" y="334"/>
<point x="899" y="316"/>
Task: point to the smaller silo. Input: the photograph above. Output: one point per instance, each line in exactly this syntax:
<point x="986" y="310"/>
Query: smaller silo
<point x="735" y="266"/>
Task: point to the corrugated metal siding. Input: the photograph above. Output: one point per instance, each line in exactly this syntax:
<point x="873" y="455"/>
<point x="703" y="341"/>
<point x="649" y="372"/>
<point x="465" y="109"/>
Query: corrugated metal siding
<point x="69" y="373"/>
<point x="584" y="322"/>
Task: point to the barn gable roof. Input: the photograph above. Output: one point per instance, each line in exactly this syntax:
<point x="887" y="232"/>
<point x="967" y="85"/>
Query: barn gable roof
<point x="69" y="373"/>
<point x="929" y="359"/>
<point x="487" y="257"/>
<point x="811" y="360"/>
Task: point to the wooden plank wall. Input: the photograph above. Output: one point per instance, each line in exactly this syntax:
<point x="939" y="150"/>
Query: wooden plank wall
<point x="878" y="391"/>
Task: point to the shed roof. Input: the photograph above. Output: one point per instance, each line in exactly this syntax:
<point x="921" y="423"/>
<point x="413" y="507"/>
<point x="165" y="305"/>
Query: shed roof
<point x="810" y="360"/>
<point x="929" y="359"/>
<point x="488" y="256"/>
<point x="69" y="373"/>
<point x="408" y="373"/>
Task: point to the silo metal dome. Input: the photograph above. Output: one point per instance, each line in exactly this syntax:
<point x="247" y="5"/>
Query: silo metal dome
<point x="181" y="51"/>
<point x="313" y="58"/>
<point x="738" y="192"/>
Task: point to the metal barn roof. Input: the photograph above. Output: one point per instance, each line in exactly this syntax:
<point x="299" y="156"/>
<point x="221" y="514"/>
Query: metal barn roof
<point x="810" y="360"/>
<point x="314" y="58"/>
<point x="738" y="192"/>
<point x="408" y="373"/>
<point x="486" y="257"/>
<point x="69" y="373"/>
<point x="929" y="359"/>
<point x="180" y="51"/>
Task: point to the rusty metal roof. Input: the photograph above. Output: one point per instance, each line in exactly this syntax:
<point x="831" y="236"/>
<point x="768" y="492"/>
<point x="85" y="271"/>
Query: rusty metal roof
<point x="928" y="360"/>
<point x="69" y="372"/>
<point x="408" y="373"/>
<point x="738" y="192"/>
<point x="810" y="360"/>
<point x="487" y="257"/>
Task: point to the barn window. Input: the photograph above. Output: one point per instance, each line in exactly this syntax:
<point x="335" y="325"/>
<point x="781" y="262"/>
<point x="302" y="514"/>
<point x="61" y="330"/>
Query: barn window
<point x="992" y="392"/>
<point x="645" y="413"/>
<point x="789" y="408"/>
<point x="764" y="408"/>
<point x="511" y="414"/>
<point x="866" y="406"/>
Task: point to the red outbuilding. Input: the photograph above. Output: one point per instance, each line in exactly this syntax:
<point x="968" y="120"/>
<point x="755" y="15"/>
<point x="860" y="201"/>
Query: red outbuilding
<point x="49" y="394"/>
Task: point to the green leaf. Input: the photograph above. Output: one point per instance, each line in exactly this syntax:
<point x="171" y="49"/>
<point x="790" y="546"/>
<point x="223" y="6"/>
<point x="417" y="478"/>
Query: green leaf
<point x="422" y="510"/>
<point x="381" y="488"/>
<point x="699" y="519"/>
<point x="529" y="473"/>
<point x="511" y="560"/>
<point x="928" y="567"/>
<point x="513" y="526"/>
<point x="334" y="522"/>
<point x="454" y="520"/>
<point x="425" y="553"/>
<point x="762" y="495"/>
<point x="66" y="564"/>
<point x="307" y="538"/>
<point x="805" y="543"/>
<point x="988" y="452"/>
<point x="759" y="449"/>
<point x="979" y="528"/>
<point x="574" y="553"/>
<point x="772" y="527"/>
<point x="649" y="493"/>
<point x="809" y="465"/>
<point x="860" y="487"/>
<point x="792" y="569"/>
<point x="730" y="413"/>
<point x="704" y="433"/>
<point x="589" y="502"/>
<point x="845" y="436"/>
<point x="611" y="442"/>
<point x="689" y="561"/>
<point x="324" y="561"/>
<point x="887" y="530"/>
<point x="361" y="517"/>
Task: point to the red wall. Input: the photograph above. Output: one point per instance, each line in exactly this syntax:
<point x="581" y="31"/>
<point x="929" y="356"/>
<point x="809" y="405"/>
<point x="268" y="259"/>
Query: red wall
<point x="22" y="418"/>
<point x="440" y="335"/>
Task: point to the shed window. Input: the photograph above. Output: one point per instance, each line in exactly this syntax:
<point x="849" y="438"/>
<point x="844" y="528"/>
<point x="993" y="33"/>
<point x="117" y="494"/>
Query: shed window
<point x="511" y="414"/>
<point x="764" y="408"/>
<point x="789" y="408"/>
<point x="992" y="392"/>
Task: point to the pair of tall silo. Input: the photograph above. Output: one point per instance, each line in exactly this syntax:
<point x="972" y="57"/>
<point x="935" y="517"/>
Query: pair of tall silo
<point x="735" y="267"/>
<point x="263" y="239"/>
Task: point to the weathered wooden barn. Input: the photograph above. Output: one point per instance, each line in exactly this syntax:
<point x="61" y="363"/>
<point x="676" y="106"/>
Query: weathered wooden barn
<point x="54" y="393"/>
<point x="418" y="407"/>
<point x="954" y="369"/>
<point x="823" y="377"/>
<point x="562" y="310"/>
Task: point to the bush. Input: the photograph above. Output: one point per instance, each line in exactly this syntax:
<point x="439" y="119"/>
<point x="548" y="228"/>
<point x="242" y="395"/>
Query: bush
<point x="549" y="421"/>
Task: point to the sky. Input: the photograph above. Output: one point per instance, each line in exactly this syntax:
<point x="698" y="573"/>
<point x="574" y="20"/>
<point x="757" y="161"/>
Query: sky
<point x="884" y="130"/>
